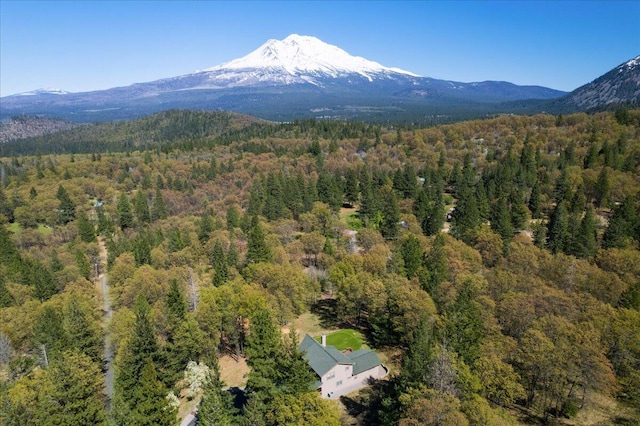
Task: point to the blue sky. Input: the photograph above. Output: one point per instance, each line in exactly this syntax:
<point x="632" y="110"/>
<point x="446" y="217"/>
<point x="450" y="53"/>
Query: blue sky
<point x="80" y="46"/>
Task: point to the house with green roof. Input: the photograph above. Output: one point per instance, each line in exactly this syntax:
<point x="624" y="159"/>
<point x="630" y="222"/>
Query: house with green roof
<point x="340" y="373"/>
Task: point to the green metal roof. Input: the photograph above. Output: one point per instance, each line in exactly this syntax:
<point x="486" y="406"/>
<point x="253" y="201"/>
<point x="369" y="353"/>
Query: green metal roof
<point x="321" y="359"/>
<point x="363" y="360"/>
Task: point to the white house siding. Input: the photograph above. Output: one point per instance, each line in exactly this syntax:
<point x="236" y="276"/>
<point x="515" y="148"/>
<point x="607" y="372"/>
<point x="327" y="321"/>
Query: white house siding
<point x="331" y="390"/>
<point x="332" y="386"/>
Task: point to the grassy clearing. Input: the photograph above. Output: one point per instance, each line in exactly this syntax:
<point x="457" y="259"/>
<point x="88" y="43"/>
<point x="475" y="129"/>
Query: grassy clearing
<point x="232" y="372"/>
<point x="351" y="218"/>
<point x="17" y="229"/>
<point x="344" y="339"/>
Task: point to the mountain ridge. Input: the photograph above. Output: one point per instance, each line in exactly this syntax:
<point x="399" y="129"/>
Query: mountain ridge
<point x="301" y="75"/>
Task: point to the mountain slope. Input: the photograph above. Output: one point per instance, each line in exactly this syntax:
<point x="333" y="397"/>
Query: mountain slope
<point x="621" y="85"/>
<point x="282" y="80"/>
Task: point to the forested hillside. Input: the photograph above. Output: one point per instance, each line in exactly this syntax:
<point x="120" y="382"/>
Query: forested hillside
<point x="495" y="265"/>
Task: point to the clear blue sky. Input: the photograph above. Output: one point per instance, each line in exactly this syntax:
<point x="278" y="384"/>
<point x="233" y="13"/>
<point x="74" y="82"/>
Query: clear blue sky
<point x="89" y="45"/>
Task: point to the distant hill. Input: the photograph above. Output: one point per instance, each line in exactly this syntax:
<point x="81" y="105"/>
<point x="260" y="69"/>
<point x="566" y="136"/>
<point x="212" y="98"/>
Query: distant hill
<point x="143" y="133"/>
<point x="22" y="127"/>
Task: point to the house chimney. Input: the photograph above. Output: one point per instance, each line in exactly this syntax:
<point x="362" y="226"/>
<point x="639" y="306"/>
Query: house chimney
<point x="323" y="340"/>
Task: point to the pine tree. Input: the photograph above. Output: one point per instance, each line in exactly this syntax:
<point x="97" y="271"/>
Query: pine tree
<point x="6" y="208"/>
<point x="535" y="201"/>
<point x="558" y="229"/>
<point x="216" y="408"/>
<point x="81" y="330"/>
<point x="159" y="208"/>
<point x="125" y="216"/>
<point x="175" y="302"/>
<point x="602" y="188"/>
<point x="501" y="219"/>
<point x="257" y="249"/>
<point x="86" y="230"/>
<point x="219" y="261"/>
<point x="67" y="207"/>
<point x="436" y="267"/>
<point x="205" y="228"/>
<point x="263" y="348"/>
<point x="233" y="219"/>
<point x="296" y="375"/>
<point x="411" y="251"/>
<point x="148" y="400"/>
<point x="587" y="245"/>
<point x="620" y="231"/>
<point x="390" y="225"/>
<point x="140" y="353"/>
<point x="141" y="207"/>
<point x="77" y="396"/>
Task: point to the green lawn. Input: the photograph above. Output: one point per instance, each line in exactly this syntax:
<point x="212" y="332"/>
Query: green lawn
<point x="352" y="219"/>
<point x="344" y="339"/>
<point x="16" y="228"/>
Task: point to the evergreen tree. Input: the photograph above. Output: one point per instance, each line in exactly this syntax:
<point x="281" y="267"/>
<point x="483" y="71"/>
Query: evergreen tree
<point x="233" y="219"/>
<point x="257" y="249"/>
<point x="67" y="208"/>
<point x="274" y="200"/>
<point x="620" y="232"/>
<point x="535" y="201"/>
<point x="501" y="219"/>
<point x="219" y="261"/>
<point x="83" y="264"/>
<point x="558" y="229"/>
<point x="159" y="208"/>
<point x="6" y="208"/>
<point x="77" y="396"/>
<point x="136" y="395"/>
<point x="390" y="225"/>
<point x="125" y="216"/>
<point x="466" y="215"/>
<point x="586" y="244"/>
<point x="81" y="330"/>
<point x="351" y="192"/>
<point x="518" y="209"/>
<point x="602" y="188"/>
<point x="175" y="302"/>
<point x="411" y="251"/>
<point x="296" y="376"/>
<point x="591" y="157"/>
<point x="141" y="207"/>
<point x="205" y="228"/>
<point x="186" y="344"/>
<point x="216" y="408"/>
<point x="436" y="267"/>
<point x="49" y="332"/>
<point x="105" y="224"/>
<point x="38" y="275"/>
<point x="148" y="400"/>
<point x="263" y="349"/>
<point x="86" y="230"/>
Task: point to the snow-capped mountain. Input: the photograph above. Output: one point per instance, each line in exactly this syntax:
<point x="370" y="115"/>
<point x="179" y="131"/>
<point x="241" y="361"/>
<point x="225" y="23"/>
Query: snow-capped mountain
<point x="299" y="76"/>
<point x="50" y="91"/>
<point x="298" y="59"/>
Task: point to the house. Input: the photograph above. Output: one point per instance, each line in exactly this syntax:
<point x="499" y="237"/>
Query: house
<point x="340" y="373"/>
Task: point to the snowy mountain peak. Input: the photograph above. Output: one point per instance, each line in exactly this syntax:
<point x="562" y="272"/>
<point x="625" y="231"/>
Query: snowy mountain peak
<point x="631" y="64"/>
<point x="305" y="56"/>
<point x="49" y="91"/>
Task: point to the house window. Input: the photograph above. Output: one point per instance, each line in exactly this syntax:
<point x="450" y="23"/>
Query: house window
<point x="339" y="382"/>
<point x="331" y="375"/>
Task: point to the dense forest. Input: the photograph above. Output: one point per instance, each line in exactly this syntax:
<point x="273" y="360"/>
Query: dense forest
<point x="495" y="268"/>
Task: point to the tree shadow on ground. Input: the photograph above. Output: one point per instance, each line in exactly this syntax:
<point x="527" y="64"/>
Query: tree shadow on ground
<point x="326" y="310"/>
